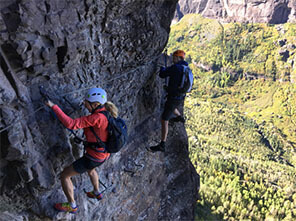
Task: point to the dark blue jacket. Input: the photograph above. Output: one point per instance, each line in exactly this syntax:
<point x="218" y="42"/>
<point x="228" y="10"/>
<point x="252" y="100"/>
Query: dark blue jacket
<point x="175" y="73"/>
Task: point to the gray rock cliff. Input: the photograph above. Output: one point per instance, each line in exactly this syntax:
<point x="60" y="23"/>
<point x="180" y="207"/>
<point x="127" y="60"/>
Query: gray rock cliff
<point x="68" y="47"/>
<point x="265" y="11"/>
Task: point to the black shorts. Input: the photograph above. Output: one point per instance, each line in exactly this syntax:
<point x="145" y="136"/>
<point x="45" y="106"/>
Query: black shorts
<point x="170" y="105"/>
<point x="84" y="164"/>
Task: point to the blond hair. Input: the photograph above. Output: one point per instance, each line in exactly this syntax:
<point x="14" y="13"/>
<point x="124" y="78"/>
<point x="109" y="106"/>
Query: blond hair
<point x="111" y="108"/>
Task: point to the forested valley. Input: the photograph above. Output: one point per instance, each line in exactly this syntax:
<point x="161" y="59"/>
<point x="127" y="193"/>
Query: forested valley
<point x="240" y="116"/>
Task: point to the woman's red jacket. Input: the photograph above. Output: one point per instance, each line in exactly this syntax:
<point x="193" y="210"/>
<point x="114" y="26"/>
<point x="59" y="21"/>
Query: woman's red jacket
<point x="96" y="120"/>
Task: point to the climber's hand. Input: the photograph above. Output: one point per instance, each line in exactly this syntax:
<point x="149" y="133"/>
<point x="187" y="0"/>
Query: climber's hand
<point x="49" y="103"/>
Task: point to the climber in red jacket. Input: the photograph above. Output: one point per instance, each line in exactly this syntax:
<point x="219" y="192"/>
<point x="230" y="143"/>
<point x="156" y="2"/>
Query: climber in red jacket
<point x="95" y="102"/>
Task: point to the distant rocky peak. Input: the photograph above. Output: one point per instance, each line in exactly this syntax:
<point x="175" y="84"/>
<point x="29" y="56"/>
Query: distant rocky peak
<point x="265" y="11"/>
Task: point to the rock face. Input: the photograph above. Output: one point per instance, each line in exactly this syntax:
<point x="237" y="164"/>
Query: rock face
<point x="68" y="47"/>
<point x="265" y="11"/>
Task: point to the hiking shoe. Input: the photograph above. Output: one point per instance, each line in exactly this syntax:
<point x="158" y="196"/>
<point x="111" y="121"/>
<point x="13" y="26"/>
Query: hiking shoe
<point x="159" y="147"/>
<point x="65" y="207"/>
<point x="94" y="196"/>
<point x="178" y="119"/>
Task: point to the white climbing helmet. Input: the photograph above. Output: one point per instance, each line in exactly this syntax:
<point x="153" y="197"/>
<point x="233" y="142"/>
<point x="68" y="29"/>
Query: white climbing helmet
<point x="96" y="95"/>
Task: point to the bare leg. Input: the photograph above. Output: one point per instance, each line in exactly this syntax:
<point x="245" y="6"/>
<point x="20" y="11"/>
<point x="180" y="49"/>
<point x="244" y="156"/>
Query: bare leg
<point x="94" y="178"/>
<point x="164" y="130"/>
<point x="177" y="112"/>
<point x="67" y="184"/>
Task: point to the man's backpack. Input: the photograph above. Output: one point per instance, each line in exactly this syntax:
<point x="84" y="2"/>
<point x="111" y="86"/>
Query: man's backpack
<point x="187" y="80"/>
<point x="117" y="134"/>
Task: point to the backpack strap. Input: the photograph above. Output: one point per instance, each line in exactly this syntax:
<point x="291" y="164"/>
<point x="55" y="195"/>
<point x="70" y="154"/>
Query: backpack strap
<point x="106" y="113"/>
<point x="183" y="76"/>
<point x="100" y="142"/>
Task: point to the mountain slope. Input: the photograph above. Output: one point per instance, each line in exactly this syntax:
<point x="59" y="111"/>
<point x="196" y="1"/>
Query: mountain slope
<point x="241" y="117"/>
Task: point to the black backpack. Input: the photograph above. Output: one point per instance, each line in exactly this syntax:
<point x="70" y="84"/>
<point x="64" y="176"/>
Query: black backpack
<point x="117" y="134"/>
<point x="186" y="83"/>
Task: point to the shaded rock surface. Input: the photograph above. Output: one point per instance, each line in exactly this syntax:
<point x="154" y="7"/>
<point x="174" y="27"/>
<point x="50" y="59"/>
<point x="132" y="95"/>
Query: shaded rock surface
<point x="266" y="11"/>
<point x="68" y="47"/>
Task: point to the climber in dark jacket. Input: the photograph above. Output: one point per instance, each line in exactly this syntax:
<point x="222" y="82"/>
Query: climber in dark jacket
<point x="174" y="98"/>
